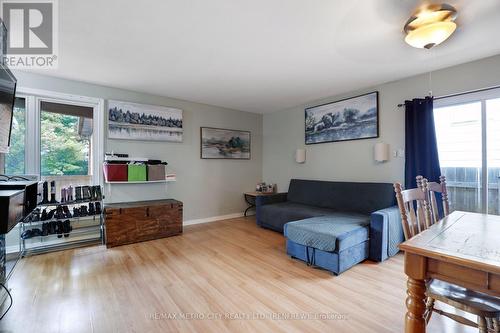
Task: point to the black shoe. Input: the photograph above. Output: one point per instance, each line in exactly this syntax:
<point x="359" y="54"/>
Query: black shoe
<point x="67" y="213"/>
<point x="36" y="232"/>
<point x="26" y="234"/>
<point x="45" y="229"/>
<point x="53" y="192"/>
<point x="78" y="193"/>
<point x="91" y="208"/>
<point x="52" y="228"/>
<point x="44" y="216"/>
<point x="92" y="193"/>
<point x="67" y="228"/>
<point x="98" y="210"/>
<point x="45" y="199"/>
<point x="59" y="229"/>
<point x="59" y="215"/>
<point x="98" y="193"/>
<point x="50" y="215"/>
<point x="35" y="216"/>
<point x="86" y="193"/>
<point x="83" y="211"/>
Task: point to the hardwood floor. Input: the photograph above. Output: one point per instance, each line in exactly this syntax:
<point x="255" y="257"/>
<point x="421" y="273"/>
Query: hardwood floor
<point x="228" y="271"/>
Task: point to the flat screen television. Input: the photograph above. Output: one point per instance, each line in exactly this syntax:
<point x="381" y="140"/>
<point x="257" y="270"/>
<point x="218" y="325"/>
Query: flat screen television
<point x="7" y="97"/>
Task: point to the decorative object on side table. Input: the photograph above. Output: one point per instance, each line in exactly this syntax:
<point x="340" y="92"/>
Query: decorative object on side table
<point x="132" y="121"/>
<point x="218" y="143"/>
<point x="266" y="188"/>
<point x="349" y="119"/>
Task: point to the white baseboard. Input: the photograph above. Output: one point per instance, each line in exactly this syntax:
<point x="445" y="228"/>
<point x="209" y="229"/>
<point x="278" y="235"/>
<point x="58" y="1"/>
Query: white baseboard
<point x="213" y="219"/>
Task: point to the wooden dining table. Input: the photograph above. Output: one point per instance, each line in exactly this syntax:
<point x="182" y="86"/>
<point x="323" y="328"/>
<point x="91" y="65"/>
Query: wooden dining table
<point x="463" y="249"/>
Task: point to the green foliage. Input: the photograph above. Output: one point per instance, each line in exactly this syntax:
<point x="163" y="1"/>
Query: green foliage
<point x="14" y="160"/>
<point x="310" y="121"/>
<point x="351" y="115"/>
<point x="235" y="142"/>
<point x="63" y="151"/>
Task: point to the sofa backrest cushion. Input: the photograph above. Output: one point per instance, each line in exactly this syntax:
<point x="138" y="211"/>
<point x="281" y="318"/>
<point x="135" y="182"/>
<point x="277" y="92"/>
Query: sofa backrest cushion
<point x="364" y="198"/>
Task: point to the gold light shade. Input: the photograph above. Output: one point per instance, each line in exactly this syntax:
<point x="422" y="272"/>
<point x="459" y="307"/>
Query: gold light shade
<point x="430" y="35"/>
<point x="430" y="25"/>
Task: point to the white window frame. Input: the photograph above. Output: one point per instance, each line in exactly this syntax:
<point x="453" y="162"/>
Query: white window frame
<point x="477" y="96"/>
<point x="33" y="98"/>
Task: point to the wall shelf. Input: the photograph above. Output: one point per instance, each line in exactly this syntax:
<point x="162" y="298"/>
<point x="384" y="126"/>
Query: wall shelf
<point x="142" y="182"/>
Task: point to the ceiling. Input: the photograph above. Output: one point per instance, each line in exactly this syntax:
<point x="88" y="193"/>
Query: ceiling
<point x="259" y="55"/>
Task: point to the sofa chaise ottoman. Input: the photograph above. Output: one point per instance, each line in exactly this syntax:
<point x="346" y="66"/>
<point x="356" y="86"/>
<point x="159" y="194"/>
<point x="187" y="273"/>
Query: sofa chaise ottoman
<point x="373" y="203"/>
<point x="334" y="242"/>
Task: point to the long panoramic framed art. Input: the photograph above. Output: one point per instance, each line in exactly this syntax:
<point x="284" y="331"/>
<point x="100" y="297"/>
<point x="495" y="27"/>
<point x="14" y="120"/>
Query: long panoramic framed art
<point x="353" y="118"/>
<point x="132" y="121"/>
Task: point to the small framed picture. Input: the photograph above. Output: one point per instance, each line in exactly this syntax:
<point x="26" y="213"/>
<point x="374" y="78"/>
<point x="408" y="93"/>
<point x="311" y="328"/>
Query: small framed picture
<point x="219" y="143"/>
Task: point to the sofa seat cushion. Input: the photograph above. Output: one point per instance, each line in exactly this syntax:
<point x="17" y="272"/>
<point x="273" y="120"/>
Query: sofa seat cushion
<point x="278" y="214"/>
<point x="333" y="232"/>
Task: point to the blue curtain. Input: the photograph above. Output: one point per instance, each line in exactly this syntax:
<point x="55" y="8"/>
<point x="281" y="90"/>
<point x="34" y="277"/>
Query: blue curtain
<point x="421" y="151"/>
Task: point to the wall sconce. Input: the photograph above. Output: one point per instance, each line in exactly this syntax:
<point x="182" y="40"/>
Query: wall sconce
<point x="300" y="156"/>
<point x="381" y="152"/>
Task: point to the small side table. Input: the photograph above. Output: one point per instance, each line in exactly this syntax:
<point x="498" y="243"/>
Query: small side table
<point x="250" y="199"/>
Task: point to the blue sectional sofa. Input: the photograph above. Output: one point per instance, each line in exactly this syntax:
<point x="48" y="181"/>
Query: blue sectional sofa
<point x="334" y="225"/>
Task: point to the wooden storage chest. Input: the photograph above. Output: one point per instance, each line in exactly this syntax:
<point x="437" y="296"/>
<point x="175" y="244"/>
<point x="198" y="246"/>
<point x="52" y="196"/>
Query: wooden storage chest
<point x="139" y="221"/>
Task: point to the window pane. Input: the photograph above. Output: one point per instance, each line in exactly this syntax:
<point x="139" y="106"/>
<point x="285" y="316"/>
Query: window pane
<point x="493" y="134"/>
<point x="14" y="160"/>
<point x="65" y="144"/>
<point x="458" y="131"/>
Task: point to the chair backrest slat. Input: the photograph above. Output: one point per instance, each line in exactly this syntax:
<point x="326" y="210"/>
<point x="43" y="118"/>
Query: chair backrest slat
<point x="415" y="212"/>
<point x="432" y="189"/>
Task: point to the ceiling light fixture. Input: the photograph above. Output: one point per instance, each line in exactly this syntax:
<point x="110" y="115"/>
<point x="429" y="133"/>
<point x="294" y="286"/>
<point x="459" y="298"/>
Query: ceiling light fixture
<point x="430" y="26"/>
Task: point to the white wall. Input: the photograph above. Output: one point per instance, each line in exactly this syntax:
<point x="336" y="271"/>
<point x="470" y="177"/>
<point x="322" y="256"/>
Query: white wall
<point x="353" y="160"/>
<point x="208" y="188"/>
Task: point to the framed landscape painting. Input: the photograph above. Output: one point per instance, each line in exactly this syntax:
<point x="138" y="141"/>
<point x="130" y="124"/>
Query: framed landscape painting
<point x="349" y="119"/>
<point x="131" y="121"/>
<point x="218" y="143"/>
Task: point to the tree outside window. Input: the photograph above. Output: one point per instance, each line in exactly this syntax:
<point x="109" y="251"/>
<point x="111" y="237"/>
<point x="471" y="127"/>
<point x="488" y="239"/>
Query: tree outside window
<point x="14" y="160"/>
<point x="64" y="149"/>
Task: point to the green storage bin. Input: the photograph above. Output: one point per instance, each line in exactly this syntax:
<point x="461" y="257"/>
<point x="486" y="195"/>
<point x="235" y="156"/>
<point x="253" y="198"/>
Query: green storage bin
<point x="137" y="173"/>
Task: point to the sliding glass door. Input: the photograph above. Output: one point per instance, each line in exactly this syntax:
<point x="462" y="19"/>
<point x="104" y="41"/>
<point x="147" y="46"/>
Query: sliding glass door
<point x="468" y="135"/>
<point x="493" y="154"/>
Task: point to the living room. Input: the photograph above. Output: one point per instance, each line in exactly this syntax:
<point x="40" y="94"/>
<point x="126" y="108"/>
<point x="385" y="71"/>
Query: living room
<point x="263" y="166"/>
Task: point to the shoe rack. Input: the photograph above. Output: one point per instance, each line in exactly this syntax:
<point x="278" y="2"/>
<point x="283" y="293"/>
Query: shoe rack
<point x="74" y="222"/>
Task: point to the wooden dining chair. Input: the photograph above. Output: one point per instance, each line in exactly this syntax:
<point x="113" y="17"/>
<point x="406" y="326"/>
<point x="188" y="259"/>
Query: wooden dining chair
<point x="432" y="189"/>
<point x="415" y="218"/>
<point x="414" y="209"/>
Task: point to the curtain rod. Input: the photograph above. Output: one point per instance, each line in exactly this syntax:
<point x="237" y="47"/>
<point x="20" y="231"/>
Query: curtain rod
<point x="461" y="93"/>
